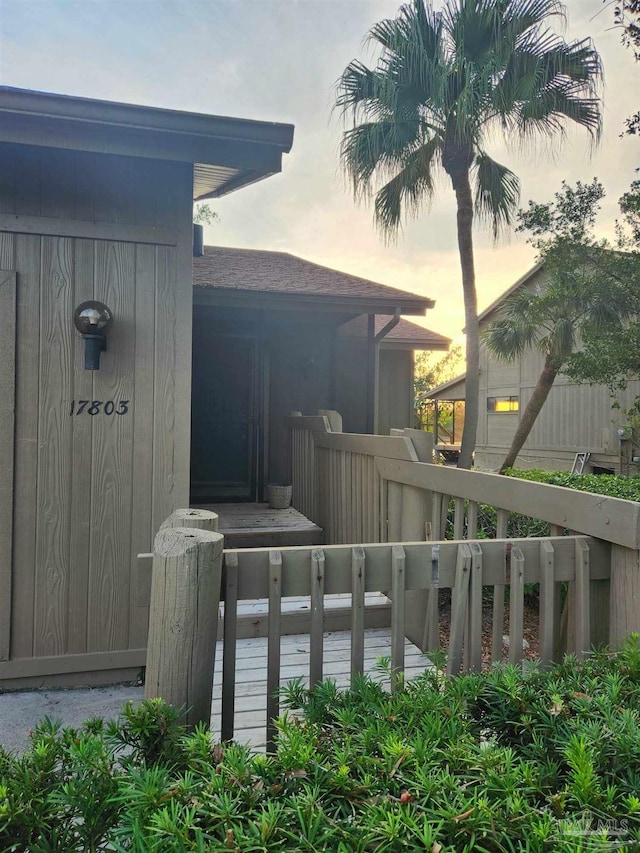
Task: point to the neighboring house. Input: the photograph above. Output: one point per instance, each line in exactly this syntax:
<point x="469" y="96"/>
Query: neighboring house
<point x="274" y="333"/>
<point x="96" y="203"/>
<point x="574" y="419"/>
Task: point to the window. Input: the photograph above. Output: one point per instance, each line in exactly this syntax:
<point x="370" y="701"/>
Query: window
<point x="502" y="405"/>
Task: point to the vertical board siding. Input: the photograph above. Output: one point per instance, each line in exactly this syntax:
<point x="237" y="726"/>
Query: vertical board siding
<point x="81" y="475"/>
<point x="54" y="443"/>
<point x="111" y="457"/>
<point x="142" y="423"/>
<point x="164" y="419"/>
<point x="83" y="483"/>
<point x="7" y="432"/>
<point x="27" y="263"/>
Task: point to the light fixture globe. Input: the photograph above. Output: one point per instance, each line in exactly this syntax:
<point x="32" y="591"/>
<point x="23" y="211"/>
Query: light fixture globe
<point x="93" y="319"/>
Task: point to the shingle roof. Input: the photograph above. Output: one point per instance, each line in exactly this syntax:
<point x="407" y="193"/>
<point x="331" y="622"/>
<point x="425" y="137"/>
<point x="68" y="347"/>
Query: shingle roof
<point x="415" y="336"/>
<point x="261" y="271"/>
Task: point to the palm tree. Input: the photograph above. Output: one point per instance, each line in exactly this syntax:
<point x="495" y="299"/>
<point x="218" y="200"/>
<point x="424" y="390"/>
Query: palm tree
<point x="443" y="83"/>
<point x="552" y="321"/>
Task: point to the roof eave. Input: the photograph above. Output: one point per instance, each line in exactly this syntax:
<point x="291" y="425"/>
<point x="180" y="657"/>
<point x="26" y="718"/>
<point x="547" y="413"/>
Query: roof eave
<point x="303" y="301"/>
<point x="439" y="346"/>
<point x="248" y="150"/>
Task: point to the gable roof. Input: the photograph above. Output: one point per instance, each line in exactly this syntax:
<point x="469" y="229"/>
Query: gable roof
<point x="454" y="389"/>
<point x="234" y="273"/>
<point x="227" y="153"/>
<point x="408" y="335"/>
<point x="512" y="289"/>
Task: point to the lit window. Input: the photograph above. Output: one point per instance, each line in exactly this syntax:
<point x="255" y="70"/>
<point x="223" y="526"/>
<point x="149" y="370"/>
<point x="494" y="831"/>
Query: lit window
<point x="502" y="404"/>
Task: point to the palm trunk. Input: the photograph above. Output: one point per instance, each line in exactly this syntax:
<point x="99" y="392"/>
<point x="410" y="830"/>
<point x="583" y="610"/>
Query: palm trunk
<point x="464" y="199"/>
<point x="535" y="404"/>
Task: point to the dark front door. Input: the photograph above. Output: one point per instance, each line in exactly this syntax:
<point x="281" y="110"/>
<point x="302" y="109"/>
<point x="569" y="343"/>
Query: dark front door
<point x="223" y="410"/>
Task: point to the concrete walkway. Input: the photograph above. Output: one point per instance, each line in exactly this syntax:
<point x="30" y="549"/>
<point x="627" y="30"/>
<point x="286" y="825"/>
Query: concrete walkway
<point x="19" y="712"/>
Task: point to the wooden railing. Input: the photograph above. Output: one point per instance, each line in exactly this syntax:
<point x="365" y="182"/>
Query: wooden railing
<point x="388" y="496"/>
<point x="467" y="569"/>
<point x="304" y="432"/>
<point x="336" y="483"/>
<point x="372" y="487"/>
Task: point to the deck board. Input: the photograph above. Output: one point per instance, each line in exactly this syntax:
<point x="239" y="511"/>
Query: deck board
<point x="251" y="673"/>
<point x="255" y="525"/>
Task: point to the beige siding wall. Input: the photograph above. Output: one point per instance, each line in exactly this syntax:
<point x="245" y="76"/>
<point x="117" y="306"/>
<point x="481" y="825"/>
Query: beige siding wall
<point x="92" y="488"/>
<point x="351" y="383"/>
<point x="574" y="418"/>
<point x="395" y="390"/>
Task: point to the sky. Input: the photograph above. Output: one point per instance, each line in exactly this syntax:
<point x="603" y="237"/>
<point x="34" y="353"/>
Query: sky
<point x="278" y="60"/>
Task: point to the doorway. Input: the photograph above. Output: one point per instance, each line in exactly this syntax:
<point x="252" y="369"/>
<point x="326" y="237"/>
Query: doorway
<point x="224" y="416"/>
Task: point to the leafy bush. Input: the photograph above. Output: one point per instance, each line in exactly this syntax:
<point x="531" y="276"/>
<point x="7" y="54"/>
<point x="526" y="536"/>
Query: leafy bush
<point x="503" y="761"/>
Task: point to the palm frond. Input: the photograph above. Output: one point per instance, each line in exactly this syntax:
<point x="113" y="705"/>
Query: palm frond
<point x="377" y="147"/>
<point x="561" y="340"/>
<point x="412" y="185"/>
<point x="497" y="192"/>
<point x="508" y="341"/>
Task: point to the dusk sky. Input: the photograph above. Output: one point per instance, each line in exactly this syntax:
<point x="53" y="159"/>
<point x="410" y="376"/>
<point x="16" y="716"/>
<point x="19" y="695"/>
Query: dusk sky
<point x="278" y="60"/>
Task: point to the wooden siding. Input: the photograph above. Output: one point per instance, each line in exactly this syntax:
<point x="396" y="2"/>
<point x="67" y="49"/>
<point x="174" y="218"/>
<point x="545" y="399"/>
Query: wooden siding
<point x="351" y="382"/>
<point x="79" y="477"/>
<point x="91" y="489"/>
<point x="7" y="430"/>
<point x="89" y="188"/>
<point x="395" y="390"/>
<point x="574" y="417"/>
<point x="501" y="377"/>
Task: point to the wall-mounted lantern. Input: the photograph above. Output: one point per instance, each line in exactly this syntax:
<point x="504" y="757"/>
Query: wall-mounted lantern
<point x="93" y="319"/>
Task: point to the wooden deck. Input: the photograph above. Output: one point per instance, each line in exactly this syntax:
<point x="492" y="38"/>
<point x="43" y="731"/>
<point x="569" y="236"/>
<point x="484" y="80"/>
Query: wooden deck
<point x="251" y="674"/>
<point x="254" y="525"/>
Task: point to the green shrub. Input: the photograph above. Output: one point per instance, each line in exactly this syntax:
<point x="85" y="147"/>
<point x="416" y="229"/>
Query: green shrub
<point x="508" y="760"/>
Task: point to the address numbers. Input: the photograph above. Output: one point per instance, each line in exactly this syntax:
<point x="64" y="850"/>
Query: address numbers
<point x="99" y="407"/>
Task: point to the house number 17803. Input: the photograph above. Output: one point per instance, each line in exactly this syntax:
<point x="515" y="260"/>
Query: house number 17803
<point x="99" y="407"/>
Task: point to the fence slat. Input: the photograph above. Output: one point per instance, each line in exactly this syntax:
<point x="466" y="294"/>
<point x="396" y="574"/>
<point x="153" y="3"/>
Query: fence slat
<point x="547" y="612"/>
<point x="229" y="644"/>
<point x="431" y="637"/>
<point x="317" y="616"/>
<point x="474" y="632"/>
<point x="472" y="520"/>
<point x="398" y="575"/>
<point x="357" y="610"/>
<point x="273" y="645"/>
<point x="436" y="516"/>
<point x="394" y="512"/>
<point x="498" y="593"/>
<point x="459" y="604"/>
<point x="516" y="606"/>
<point x="583" y="626"/>
<point x="458" y="521"/>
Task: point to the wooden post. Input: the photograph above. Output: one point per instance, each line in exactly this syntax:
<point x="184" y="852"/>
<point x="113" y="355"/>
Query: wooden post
<point x="183" y="619"/>
<point x="624" y="612"/>
<point x="201" y="519"/>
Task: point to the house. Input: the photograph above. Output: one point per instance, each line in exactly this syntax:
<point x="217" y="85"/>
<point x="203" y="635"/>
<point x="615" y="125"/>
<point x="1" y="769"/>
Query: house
<point x="96" y="203"/>
<point x="575" y="419"/>
<point x="274" y="333"/>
